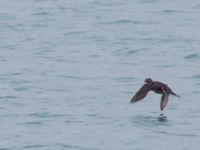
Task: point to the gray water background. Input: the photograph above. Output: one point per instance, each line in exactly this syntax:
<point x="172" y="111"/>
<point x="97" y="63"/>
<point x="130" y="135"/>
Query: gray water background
<point x="68" y="70"/>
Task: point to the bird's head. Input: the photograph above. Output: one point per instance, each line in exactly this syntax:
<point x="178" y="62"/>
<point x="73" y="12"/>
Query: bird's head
<point x="148" y="80"/>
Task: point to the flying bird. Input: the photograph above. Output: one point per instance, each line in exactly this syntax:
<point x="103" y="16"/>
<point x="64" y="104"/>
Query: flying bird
<point x="157" y="87"/>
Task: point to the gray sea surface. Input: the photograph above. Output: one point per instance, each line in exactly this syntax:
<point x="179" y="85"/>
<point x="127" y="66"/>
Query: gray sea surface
<point x="68" y="69"/>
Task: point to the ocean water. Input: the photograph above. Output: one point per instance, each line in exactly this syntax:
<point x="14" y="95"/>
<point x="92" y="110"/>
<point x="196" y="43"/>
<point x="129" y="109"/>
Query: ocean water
<point x="69" y="69"/>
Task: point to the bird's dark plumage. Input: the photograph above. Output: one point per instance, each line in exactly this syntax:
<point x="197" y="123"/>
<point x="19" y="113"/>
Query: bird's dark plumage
<point x="157" y="87"/>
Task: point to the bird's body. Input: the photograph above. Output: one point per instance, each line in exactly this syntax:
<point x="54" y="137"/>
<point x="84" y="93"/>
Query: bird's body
<point x="157" y="87"/>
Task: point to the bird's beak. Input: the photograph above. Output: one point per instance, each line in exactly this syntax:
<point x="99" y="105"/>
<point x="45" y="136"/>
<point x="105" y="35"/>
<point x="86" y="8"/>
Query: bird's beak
<point x="145" y="82"/>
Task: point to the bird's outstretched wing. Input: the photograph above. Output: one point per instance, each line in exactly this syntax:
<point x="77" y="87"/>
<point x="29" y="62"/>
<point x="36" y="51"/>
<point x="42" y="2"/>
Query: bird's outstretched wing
<point x="164" y="100"/>
<point x="141" y="93"/>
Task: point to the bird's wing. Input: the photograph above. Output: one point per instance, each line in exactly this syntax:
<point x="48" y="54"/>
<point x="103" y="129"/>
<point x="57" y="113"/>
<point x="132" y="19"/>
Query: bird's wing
<point x="141" y="93"/>
<point x="164" y="100"/>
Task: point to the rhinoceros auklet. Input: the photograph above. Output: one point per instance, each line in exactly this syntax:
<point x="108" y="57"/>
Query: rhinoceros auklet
<point x="157" y="87"/>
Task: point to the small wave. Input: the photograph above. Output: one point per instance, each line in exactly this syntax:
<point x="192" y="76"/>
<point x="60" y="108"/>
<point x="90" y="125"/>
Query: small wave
<point x="69" y="146"/>
<point x="128" y="21"/>
<point x="150" y="121"/>
<point x="192" y="56"/>
<point x="21" y="89"/>
<point x="164" y="66"/>
<point x="73" y="77"/>
<point x="4" y="149"/>
<point x="8" y="97"/>
<point x="125" y="21"/>
<point x="197" y="76"/>
<point x="34" y="146"/>
<point x="125" y="52"/>
<point x="46" y="115"/>
<point x="177" y="134"/>
<point x="174" y="11"/>
<point x="42" y="13"/>
<point x="31" y="123"/>
<point x="125" y="79"/>
<point x="148" y="1"/>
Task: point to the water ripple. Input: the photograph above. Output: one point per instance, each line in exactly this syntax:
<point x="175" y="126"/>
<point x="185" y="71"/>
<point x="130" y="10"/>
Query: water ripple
<point x="34" y="146"/>
<point x="192" y="56"/>
<point x="46" y="115"/>
<point x="150" y="121"/>
<point x="69" y="146"/>
<point x="197" y="76"/>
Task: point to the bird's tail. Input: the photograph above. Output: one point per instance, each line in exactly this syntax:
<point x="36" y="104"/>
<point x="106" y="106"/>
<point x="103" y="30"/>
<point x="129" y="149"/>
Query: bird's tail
<point x="175" y="95"/>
